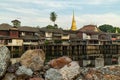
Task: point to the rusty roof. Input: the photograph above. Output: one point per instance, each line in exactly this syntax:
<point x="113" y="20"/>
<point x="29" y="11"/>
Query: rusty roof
<point x="90" y="28"/>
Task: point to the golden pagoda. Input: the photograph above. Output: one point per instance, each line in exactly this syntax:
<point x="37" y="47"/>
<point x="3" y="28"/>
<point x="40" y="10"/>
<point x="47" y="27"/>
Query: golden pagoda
<point x="73" y="26"/>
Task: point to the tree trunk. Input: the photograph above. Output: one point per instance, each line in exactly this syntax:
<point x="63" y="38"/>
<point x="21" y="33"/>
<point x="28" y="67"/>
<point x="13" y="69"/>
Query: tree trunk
<point x="54" y="23"/>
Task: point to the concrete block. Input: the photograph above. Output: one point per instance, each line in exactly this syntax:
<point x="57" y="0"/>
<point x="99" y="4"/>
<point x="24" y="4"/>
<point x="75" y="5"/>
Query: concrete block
<point x="119" y="60"/>
<point x="86" y="62"/>
<point x="99" y="62"/>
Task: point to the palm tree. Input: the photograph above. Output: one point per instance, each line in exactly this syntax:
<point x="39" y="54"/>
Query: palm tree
<point x="53" y="17"/>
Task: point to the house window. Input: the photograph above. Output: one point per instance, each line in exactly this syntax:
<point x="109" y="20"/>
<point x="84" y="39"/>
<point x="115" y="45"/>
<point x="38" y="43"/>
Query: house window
<point x="10" y="41"/>
<point x="23" y="33"/>
<point x="26" y="40"/>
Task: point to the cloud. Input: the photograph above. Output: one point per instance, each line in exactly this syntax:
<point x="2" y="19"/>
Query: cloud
<point x="98" y="2"/>
<point x="36" y="12"/>
<point x="85" y="19"/>
<point x="99" y="19"/>
<point x="65" y="21"/>
<point x="46" y="3"/>
<point x="22" y="10"/>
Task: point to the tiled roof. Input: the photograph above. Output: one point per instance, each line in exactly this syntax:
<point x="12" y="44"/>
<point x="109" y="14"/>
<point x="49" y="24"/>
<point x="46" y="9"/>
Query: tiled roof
<point x="51" y="30"/>
<point x="90" y="28"/>
<point x="27" y="28"/>
<point x="5" y="26"/>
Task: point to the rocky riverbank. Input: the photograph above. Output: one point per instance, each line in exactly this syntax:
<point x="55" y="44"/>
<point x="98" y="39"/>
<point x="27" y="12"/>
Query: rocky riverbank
<point x="31" y="66"/>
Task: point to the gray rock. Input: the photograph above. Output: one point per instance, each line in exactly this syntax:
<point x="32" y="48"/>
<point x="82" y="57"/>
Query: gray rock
<point x="84" y="70"/>
<point x="22" y="70"/>
<point x="79" y="78"/>
<point x="9" y="76"/>
<point x="33" y="59"/>
<point x="70" y="71"/>
<point x="46" y="67"/>
<point x="53" y="74"/>
<point x="12" y="68"/>
<point x="4" y="59"/>
<point x="95" y="77"/>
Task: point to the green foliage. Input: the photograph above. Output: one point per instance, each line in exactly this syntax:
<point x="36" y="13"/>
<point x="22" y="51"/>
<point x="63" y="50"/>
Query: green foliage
<point x="56" y="26"/>
<point x="53" y="17"/>
<point x="52" y="27"/>
<point x="46" y="42"/>
<point x="109" y="28"/>
<point x="57" y="41"/>
<point x="113" y="30"/>
<point x="106" y="28"/>
<point x="16" y="23"/>
<point x="117" y="28"/>
<point x="49" y="27"/>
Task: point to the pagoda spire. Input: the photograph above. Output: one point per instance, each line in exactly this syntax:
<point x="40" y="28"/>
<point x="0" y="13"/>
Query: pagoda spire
<point x="73" y="26"/>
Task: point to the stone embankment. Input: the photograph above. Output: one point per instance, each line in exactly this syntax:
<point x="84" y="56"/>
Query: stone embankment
<point x="31" y="66"/>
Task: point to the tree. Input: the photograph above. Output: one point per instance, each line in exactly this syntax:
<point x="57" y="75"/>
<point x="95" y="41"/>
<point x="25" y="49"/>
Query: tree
<point x="53" y="17"/>
<point x="106" y="28"/>
<point x="56" y="26"/>
<point x="116" y="29"/>
<point x="50" y="27"/>
<point x="16" y="23"/>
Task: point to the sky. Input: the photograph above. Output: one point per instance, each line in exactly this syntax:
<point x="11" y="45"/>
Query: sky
<point x="37" y="12"/>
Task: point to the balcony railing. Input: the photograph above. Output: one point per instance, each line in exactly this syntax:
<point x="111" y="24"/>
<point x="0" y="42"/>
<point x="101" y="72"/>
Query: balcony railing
<point x="30" y="43"/>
